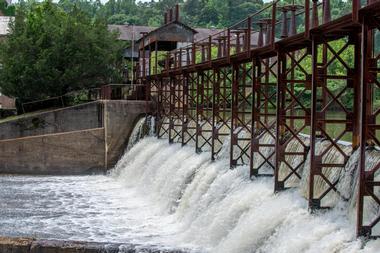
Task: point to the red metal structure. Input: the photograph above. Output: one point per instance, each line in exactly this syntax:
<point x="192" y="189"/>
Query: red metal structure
<point x="269" y="84"/>
<point x="370" y="123"/>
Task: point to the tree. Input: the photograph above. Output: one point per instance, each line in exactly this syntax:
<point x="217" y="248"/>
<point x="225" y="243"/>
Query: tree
<point x="119" y="19"/>
<point x="51" y="52"/>
<point x="5" y="9"/>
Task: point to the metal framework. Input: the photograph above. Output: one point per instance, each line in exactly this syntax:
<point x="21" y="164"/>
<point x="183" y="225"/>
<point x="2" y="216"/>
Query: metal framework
<point x="293" y="116"/>
<point x="262" y="158"/>
<point x="271" y="85"/>
<point x="221" y="111"/>
<point x="328" y="87"/>
<point x="189" y="118"/>
<point x="163" y="114"/>
<point x="369" y="181"/>
<point x="241" y="114"/>
<point x="203" y="140"/>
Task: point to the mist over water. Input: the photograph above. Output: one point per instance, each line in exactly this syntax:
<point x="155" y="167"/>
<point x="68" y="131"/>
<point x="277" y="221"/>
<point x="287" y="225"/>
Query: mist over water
<point x="161" y="194"/>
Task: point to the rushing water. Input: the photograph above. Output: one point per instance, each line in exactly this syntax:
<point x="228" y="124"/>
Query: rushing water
<point x="161" y="194"/>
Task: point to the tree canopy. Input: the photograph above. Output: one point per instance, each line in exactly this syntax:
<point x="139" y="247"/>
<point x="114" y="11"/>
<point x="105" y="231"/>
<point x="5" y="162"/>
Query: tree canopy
<point x="5" y="9"/>
<point x="51" y="51"/>
<point x="197" y="13"/>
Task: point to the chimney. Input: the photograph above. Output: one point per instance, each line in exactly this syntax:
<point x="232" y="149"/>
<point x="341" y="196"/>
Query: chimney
<point x="170" y="15"/>
<point x="177" y="12"/>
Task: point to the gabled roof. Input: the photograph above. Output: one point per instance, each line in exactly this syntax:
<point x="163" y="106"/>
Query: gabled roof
<point x="133" y="32"/>
<point x="174" y="22"/>
<point x="130" y="32"/>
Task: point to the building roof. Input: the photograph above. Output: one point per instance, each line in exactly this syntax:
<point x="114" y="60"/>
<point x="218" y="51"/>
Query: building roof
<point x="130" y="32"/>
<point x="127" y="34"/>
<point x="4" y="25"/>
<point x="167" y="36"/>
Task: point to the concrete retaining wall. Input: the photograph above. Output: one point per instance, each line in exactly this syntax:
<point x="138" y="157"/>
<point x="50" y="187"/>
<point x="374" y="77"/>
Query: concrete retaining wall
<point x="80" y="117"/>
<point x="78" y="152"/>
<point x="119" y="119"/>
<point x="76" y="145"/>
<point x="29" y="245"/>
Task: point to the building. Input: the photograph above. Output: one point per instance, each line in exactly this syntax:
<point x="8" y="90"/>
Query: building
<point x="6" y="103"/>
<point x="133" y="34"/>
<point x="4" y="25"/>
<point x="171" y="35"/>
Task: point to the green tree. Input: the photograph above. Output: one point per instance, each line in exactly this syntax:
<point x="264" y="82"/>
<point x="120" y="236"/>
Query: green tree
<point x="50" y="52"/>
<point x="5" y="9"/>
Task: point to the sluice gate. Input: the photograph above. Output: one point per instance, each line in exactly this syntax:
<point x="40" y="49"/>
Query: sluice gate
<point x="288" y="74"/>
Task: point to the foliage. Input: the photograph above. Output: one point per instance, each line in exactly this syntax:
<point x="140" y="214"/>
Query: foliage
<point x="5" y="9"/>
<point x="51" y="52"/>
<point x="197" y="13"/>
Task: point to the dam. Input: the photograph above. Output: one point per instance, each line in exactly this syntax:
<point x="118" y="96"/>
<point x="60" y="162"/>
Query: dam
<point x="189" y="204"/>
<point x="254" y="141"/>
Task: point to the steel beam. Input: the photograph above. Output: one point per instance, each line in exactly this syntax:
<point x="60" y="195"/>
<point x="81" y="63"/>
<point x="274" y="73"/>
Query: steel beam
<point x="293" y="116"/>
<point x="189" y="114"/>
<point x="164" y="105"/>
<point x="221" y="110"/>
<point x="332" y="120"/>
<point x="368" y="221"/>
<point x="176" y="108"/>
<point x="241" y="114"/>
<point x="203" y="140"/>
<point x="263" y="138"/>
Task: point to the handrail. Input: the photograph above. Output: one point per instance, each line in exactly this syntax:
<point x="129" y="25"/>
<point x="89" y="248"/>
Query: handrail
<point x="237" y="38"/>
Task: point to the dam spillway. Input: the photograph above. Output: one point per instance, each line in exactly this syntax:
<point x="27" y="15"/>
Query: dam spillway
<point x="277" y="115"/>
<point x="188" y="203"/>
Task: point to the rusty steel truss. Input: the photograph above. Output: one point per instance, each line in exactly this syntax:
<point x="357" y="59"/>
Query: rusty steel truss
<point x="267" y="85"/>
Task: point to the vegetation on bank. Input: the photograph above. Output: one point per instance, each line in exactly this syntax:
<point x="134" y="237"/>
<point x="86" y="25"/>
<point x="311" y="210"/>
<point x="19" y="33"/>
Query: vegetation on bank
<point x="7" y="10"/>
<point x="51" y="51"/>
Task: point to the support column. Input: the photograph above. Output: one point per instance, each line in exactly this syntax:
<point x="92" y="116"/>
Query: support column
<point x="241" y="114"/>
<point x="263" y="136"/>
<point x="204" y="111"/>
<point x="293" y="116"/>
<point x="368" y="196"/>
<point x="332" y="119"/>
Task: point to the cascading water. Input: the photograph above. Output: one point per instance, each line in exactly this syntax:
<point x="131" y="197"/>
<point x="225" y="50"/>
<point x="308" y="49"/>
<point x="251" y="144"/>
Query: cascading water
<point x="161" y="194"/>
<point x="143" y="127"/>
<point x="221" y="210"/>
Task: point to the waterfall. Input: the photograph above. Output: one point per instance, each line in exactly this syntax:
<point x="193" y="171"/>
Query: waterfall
<point x="163" y="197"/>
<point x="212" y="208"/>
<point x="144" y="126"/>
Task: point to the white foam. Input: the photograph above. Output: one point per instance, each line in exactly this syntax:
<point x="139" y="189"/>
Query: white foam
<point x="168" y="195"/>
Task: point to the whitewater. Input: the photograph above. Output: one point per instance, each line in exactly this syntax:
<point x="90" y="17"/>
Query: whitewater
<point x="165" y="195"/>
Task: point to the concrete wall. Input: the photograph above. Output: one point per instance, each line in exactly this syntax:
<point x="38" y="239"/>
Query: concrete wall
<point x="120" y="118"/>
<point x="79" y="152"/>
<point x="30" y="245"/>
<point x="80" y="117"/>
<point x="74" y="144"/>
